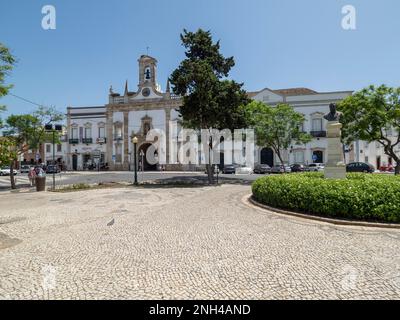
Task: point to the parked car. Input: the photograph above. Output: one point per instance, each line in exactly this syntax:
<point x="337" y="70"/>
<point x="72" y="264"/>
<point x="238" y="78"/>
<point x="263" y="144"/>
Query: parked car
<point x="262" y="169"/>
<point x="315" y="167"/>
<point x="388" y="168"/>
<point x="25" y="169"/>
<point x="280" y="169"/>
<point x="360" y="167"/>
<point x="229" y="168"/>
<point x="297" y="168"/>
<point x="53" y="169"/>
<point x="244" y="170"/>
<point x="6" y="171"/>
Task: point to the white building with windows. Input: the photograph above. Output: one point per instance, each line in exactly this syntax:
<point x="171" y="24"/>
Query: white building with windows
<point x="313" y="105"/>
<point x="103" y="134"/>
<point x="86" y="144"/>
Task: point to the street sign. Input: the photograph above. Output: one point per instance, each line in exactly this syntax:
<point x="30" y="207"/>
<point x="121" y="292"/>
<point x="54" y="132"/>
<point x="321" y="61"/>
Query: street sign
<point x="37" y="156"/>
<point x="114" y="157"/>
<point x="314" y="157"/>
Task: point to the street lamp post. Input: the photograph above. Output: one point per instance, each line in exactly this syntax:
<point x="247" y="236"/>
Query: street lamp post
<point x="135" y="141"/>
<point x="49" y="128"/>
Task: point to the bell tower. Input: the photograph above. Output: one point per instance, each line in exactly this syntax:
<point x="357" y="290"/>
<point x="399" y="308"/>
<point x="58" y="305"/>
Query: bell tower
<point x="147" y="72"/>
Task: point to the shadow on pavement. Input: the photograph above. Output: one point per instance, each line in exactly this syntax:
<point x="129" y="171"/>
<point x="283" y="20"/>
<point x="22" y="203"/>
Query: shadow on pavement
<point x="193" y="181"/>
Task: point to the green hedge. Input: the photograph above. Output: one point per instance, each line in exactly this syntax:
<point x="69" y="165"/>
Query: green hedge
<point x="361" y="196"/>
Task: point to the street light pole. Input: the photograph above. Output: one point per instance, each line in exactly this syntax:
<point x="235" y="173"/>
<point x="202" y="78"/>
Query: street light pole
<point x="135" y="141"/>
<point x="49" y="128"/>
<point x="54" y="160"/>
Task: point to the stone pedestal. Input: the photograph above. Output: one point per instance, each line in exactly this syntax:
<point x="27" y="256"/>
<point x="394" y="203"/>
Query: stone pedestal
<point x="335" y="167"/>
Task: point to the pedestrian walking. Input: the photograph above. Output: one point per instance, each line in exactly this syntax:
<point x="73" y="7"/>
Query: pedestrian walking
<point x="32" y="176"/>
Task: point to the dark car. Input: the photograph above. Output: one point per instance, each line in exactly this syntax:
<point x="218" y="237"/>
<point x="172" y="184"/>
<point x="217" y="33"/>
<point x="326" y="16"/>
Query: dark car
<point x="229" y="169"/>
<point x="53" y="169"/>
<point x="360" y="167"/>
<point x="262" y="168"/>
<point x="298" y="168"/>
<point x="279" y="169"/>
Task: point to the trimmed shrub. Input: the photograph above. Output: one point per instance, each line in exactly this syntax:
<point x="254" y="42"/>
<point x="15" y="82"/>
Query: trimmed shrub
<point x="361" y="196"/>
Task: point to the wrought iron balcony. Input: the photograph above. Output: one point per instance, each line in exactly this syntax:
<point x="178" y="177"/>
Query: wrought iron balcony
<point x="101" y="140"/>
<point x="73" y="141"/>
<point x="318" y="134"/>
<point x="118" y="137"/>
<point x="87" y="140"/>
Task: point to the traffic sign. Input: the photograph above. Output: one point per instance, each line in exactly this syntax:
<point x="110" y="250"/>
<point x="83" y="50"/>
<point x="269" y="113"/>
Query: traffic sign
<point x="314" y="157"/>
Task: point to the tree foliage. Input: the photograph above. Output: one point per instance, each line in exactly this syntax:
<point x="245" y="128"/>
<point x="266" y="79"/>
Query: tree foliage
<point x="7" y="62"/>
<point x="276" y="127"/>
<point x="373" y="114"/>
<point x="210" y="100"/>
<point x="27" y="131"/>
<point x="7" y="151"/>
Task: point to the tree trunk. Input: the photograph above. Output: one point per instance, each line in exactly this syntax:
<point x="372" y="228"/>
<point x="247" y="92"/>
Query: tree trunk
<point x="12" y="178"/>
<point x="209" y="166"/>
<point x="210" y="173"/>
<point x="397" y="169"/>
<point x="396" y="158"/>
<point x="278" y="153"/>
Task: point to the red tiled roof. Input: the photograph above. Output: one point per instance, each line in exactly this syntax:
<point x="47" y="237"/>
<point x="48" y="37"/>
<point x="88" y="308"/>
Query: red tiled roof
<point x="294" y="92"/>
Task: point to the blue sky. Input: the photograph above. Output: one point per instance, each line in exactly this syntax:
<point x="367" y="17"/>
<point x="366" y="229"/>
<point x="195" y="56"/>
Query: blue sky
<point x="276" y="44"/>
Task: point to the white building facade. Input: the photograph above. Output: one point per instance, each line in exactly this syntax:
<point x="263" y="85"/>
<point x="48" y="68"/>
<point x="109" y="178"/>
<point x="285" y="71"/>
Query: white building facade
<point x="102" y="135"/>
<point x="313" y="105"/>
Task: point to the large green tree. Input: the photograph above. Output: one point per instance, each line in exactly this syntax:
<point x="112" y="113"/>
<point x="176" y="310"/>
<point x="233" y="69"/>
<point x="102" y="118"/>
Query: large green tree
<point x="27" y="132"/>
<point x="373" y="114"/>
<point x="276" y="127"/>
<point x="21" y="132"/>
<point x="210" y="100"/>
<point x="7" y="62"/>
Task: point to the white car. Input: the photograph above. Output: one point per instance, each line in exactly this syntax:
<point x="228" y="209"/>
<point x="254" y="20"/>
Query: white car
<point x="244" y="170"/>
<point x="316" y="167"/>
<point x="25" y="169"/>
<point x="6" y="171"/>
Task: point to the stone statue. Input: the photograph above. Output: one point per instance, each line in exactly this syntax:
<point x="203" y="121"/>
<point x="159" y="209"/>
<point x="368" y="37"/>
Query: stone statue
<point x="333" y="115"/>
<point x="335" y="167"/>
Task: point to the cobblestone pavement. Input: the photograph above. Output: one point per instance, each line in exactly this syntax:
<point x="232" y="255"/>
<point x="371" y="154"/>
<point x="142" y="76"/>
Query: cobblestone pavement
<point x="190" y="243"/>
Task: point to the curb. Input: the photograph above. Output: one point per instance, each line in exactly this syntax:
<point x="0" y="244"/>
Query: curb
<point x="250" y="200"/>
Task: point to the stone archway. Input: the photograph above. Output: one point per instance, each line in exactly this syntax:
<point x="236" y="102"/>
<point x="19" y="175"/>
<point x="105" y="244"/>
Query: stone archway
<point x="147" y="166"/>
<point x="267" y="157"/>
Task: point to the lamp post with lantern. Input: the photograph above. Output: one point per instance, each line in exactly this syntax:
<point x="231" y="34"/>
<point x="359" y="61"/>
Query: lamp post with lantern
<point x="53" y="130"/>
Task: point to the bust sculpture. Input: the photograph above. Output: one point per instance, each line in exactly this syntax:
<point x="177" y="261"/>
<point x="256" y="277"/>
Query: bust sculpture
<point x="335" y="167"/>
<point x="333" y="115"/>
